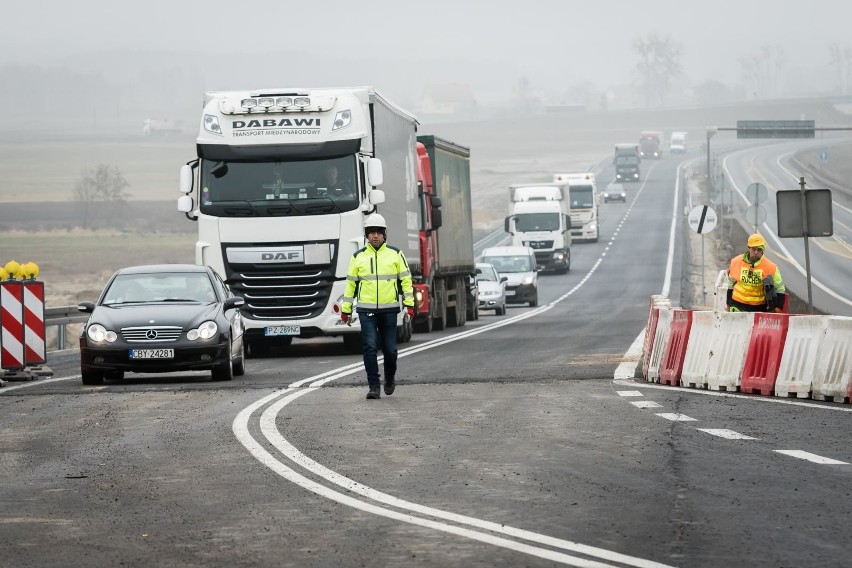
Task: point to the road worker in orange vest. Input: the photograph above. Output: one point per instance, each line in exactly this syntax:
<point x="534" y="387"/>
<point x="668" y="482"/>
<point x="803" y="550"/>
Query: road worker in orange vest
<point x="754" y="281"/>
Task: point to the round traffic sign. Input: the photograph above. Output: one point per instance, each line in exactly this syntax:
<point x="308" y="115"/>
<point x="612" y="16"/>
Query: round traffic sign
<point x="702" y="219"/>
<point x="756" y="193"/>
<point x="755" y="214"/>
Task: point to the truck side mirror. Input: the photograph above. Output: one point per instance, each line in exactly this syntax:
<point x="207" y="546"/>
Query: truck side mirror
<point x="376" y="197"/>
<point x="567" y="222"/>
<point x="375" y="173"/>
<point x="506" y="225"/>
<point x="437" y="218"/>
<point x="186" y="178"/>
<point x="184" y="204"/>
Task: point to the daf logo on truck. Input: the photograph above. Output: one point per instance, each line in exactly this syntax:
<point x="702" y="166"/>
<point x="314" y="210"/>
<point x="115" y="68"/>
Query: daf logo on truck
<point x="266" y="255"/>
<point x="275" y="123"/>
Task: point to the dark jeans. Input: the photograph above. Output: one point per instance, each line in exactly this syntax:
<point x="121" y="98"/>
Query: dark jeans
<point x="378" y="327"/>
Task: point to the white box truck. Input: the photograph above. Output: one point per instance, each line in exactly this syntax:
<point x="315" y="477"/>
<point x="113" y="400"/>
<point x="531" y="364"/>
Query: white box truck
<point x="274" y="220"/>
<point x="677" y="143"/>
<point x="583" y="201"/>
<point x="539" y="218"/>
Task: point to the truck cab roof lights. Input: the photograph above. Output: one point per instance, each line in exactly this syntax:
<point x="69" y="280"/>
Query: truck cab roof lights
<point x="342" y="119"/>
<point x="248" y="103"/>
<point x="301" y="102"/>
<point x="266" y="102"/>
<point x="211" y="124"/>
<point x="284" y="102"/>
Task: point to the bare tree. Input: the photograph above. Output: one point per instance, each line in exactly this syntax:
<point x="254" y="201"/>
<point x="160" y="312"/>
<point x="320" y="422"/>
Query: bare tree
<point x="104" y="185"/>
<point x="762" y="71"/>
<point x="659" y="63"/>
<point x="841" y="59"/>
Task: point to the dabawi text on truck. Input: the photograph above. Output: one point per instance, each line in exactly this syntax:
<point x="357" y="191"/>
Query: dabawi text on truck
<point x="281" y="185"/>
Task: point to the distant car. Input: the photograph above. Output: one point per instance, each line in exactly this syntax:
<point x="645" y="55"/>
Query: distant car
<point x="518" y="264"/>
<point x="615" y="192"/>
<point x="492" y="288"/>
<point x="162" y="318"/>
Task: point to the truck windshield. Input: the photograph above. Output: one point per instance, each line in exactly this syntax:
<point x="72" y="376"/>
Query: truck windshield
<point x="525" y="222"/>
<point x="626" y="161"/>
<point x="582" y="197"/>
<point x="273" y="189"/>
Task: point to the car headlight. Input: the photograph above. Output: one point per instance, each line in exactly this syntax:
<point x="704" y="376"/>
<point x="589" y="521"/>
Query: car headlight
<point x="99" y="334"/>
<point x="206" y="330"/>
<point x="558" y="255"/>
<point x="527" y="280"/>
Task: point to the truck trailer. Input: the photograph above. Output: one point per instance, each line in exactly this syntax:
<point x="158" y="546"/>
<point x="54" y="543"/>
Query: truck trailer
<point x="539" y="218"/>
<point x="444" y="271"/>
<point x="271" y="222"/>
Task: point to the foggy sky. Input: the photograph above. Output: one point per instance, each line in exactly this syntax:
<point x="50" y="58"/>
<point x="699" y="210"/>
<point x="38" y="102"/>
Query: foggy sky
<point x="487" y="43"/>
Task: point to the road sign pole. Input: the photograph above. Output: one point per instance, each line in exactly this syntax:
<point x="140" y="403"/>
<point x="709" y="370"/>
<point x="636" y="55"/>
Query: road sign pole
<point x="703" y="289"/>
<point x="807" y="249"/>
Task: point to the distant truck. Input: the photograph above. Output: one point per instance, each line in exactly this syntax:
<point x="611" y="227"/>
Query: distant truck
<point x="444" y="276"/>
<point x="650" y="144"/>
<point x="626" y="161"/>
<point x="583" y="201"/>
<point x="677" y="143"/>
<point x="280" y="229"/>
<point x="539" y="218"/>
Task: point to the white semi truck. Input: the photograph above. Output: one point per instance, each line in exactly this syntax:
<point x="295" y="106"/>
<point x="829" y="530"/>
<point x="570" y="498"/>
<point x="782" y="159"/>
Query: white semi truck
<point x="539" y="218"/>
<point x="275" y="221"/>
<point x="583" y="201"/>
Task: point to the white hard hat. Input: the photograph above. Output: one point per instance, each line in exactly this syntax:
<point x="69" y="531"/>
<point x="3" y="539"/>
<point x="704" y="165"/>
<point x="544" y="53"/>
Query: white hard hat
<point x="375" y="220"/>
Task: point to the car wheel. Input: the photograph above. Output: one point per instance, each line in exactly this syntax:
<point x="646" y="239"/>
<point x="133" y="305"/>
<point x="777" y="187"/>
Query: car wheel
<point x="240" y="362"/>
<point x="501" y="310"/>
<point x="223" y="371"/>
<point x="534" y="301"/>
<point x="92" y="377"/>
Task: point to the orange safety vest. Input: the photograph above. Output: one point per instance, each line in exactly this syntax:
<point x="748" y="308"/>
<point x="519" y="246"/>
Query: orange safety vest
<point x="747" y="279"/>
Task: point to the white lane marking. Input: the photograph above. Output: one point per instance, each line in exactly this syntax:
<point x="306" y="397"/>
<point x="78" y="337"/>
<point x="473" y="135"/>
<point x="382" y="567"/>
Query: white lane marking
<point x="724" y="433"/>
<point x="270" y="431"/>
<point x="646" y="404"/>
<point x="629" y="393"/>
<point x="676" y="417"/>
<point x="810" y="457"/>
<point x="35" y="382"/>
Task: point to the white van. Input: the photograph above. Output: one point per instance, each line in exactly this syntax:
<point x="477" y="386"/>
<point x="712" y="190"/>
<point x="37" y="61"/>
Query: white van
<point x="677" y="145"/>
<point x="519" y="266"/>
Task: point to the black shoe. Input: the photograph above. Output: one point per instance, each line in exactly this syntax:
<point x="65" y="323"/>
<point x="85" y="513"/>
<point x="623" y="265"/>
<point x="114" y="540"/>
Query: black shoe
<point x="390" y="385"/>
<point x="373" y="394"/>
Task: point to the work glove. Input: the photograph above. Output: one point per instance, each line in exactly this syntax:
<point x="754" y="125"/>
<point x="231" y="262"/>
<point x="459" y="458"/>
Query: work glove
<point x="410" y="311"/>
<point x="344" y="317"/>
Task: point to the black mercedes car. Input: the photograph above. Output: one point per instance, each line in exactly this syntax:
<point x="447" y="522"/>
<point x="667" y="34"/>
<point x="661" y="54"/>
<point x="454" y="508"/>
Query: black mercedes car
<point x="162" y="318"/>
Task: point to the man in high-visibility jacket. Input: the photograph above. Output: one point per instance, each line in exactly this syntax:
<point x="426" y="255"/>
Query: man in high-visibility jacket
<point x="754" y="281"/>
<point x="378" y="275"/>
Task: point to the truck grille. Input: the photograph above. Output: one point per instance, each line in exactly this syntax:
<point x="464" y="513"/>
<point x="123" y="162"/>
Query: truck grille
<point x="282" y="291"/>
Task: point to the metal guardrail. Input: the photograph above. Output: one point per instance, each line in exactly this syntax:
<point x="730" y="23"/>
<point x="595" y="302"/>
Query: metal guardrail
<point x="60" y="318"/>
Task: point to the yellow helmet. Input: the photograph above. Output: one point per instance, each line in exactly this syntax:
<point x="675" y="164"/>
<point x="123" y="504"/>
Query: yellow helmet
<point x="757" y="241"/>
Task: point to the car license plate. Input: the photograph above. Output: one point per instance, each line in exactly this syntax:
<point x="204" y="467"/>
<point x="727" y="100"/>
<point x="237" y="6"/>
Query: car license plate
<point x="282" y="330"/>
<point x="152" y="353"/>
<point x="510" y="292"/>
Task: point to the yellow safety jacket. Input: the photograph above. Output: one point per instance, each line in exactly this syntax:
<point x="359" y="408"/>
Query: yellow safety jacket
<point x="375" y="278"/>
<point x="746" y="279"/>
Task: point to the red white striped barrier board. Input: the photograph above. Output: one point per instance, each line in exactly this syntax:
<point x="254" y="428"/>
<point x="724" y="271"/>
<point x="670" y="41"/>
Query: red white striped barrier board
<point x="12" y="325"/>
<point x="34" y="331"/>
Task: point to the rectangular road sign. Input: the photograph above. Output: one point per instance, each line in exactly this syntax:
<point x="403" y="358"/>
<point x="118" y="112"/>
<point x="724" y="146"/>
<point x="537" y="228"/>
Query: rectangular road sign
<point x="775" y="128"/>
<point x="818" y="207"/>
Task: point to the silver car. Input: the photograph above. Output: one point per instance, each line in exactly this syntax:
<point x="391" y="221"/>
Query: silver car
<point x="492" y="288"/>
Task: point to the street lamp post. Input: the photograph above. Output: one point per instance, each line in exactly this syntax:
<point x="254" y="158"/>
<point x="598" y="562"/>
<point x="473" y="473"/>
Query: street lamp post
<point x="711" y="130"/>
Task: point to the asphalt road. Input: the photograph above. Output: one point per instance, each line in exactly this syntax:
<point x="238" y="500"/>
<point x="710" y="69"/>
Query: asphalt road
<point x="519" y="440"/>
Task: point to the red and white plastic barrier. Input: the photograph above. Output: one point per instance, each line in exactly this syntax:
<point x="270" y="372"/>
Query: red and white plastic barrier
<point x="12" y="325"/>
<point x="34" y="327"/>
<point x="785" y="355"/>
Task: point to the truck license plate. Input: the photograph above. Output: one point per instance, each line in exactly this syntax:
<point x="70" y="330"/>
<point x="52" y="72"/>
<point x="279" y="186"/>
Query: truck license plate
<point x="152" y="353"/>
<point x="274" y="330"/>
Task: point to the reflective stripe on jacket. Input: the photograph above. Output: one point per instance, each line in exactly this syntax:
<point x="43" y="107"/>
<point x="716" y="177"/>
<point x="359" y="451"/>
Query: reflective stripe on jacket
<point x="376" y="276"/>
<point x="746" y="279"/>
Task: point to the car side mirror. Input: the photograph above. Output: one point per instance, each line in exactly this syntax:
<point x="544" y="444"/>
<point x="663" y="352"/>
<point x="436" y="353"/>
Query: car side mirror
<point x="538" y="268"/>
<point x="86" y="307"/>
<point x="504" y="279"/>
<point x="234" y="302"/>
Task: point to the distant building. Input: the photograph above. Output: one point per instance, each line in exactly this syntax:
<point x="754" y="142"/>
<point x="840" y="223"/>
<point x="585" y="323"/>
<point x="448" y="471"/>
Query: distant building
<point x="450" y="99"/>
